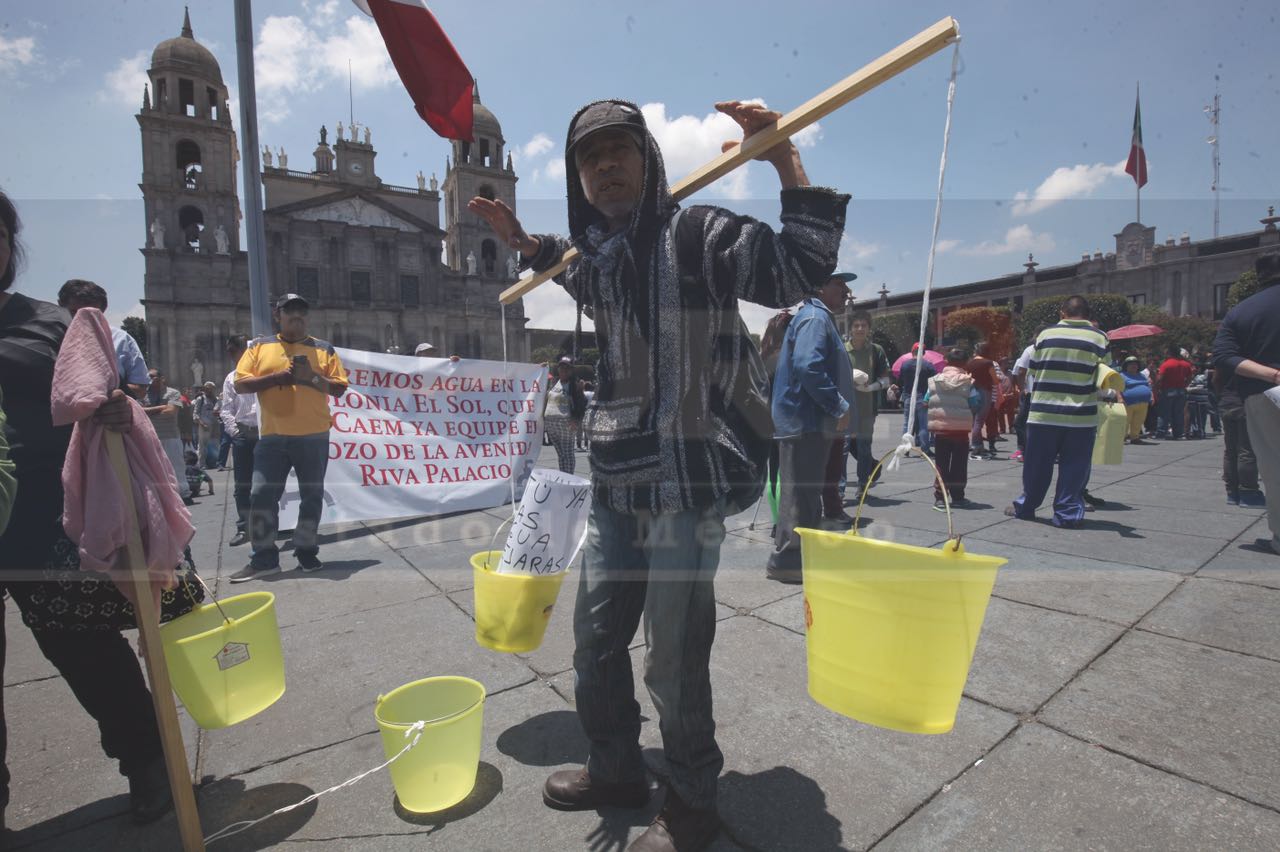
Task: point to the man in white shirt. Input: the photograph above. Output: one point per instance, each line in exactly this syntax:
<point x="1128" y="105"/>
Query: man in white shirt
<point x="239" y="416"/>
<point x="1022" y="378"/>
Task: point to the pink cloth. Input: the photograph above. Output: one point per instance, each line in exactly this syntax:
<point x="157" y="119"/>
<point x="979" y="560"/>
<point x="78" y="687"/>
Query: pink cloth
<point x="937" y="359"/>
<point x="94" y="511"/>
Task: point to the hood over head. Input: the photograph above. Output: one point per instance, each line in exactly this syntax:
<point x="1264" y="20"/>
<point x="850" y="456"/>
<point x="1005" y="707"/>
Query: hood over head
<point x="954" y="378"/>
<point x="587" y="227"/>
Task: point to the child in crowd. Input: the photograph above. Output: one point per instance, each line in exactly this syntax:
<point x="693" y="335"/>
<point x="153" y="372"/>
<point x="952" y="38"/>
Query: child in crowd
<point x="953" y="401"/>
<point x="196" y="476"/>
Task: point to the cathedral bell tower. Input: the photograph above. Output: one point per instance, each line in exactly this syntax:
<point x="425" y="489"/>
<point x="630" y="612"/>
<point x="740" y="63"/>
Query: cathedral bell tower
<point x="478" y="168"/>
<point x="188" y="151"/>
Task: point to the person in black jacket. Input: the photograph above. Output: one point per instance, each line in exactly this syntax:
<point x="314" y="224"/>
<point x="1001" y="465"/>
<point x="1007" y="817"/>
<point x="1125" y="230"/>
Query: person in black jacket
<point x="679" y="431"/>
<point x="1247" y="350"/>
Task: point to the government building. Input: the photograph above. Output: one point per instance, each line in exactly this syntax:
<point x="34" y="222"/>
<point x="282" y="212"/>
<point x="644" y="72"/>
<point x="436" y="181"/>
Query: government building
<point x="1178" y="276"/>
<point x="381" y="272"/>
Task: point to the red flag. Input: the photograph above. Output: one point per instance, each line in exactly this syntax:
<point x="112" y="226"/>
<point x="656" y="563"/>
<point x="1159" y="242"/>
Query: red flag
<point x="432" y="71"/>
<point x="1137" y="165"/>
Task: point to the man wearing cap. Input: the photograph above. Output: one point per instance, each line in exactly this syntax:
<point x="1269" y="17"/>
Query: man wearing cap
<point x="562" y="417"/>
<point x="679" y="432"/>
<point x="293" y="375"/>
<point x="428" y="350"/>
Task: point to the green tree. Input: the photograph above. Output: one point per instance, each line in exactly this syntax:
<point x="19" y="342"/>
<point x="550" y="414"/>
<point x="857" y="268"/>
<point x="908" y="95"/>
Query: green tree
<point x="1149" y="315"/>
<point x="975" y="325"/>
<point x="1244" y="287"/>
<point x="137" y="329"/>
<point x="1109" y="312"/>
<point x="895" y="333"/>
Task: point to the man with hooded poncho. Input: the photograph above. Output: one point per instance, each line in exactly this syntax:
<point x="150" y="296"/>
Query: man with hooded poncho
<point x="679" y="434"/>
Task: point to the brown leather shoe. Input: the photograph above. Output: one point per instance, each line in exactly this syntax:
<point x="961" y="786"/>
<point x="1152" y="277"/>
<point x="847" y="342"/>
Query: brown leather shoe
<point x="678" y="828"/>
<point x="575" y="790"/>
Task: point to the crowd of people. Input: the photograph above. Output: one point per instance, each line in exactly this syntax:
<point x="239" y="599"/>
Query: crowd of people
<point x="685" y="419"/>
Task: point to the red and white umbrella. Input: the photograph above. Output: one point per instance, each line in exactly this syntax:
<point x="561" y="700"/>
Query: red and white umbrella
<point x="1129" y="332"/>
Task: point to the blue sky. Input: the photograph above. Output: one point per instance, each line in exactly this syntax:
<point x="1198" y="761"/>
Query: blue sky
<point x="1041" y="128"/>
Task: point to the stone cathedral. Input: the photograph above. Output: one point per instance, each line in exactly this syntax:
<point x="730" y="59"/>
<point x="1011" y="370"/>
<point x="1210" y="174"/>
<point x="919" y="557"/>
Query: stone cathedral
<point x="379" y="270"/>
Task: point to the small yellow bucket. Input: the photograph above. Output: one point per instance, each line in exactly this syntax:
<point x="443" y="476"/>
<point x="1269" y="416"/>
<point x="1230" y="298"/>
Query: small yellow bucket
<point x="891" y="628"/>
<point x="512" y="610"/>
<point x="224" y="659"/>
<point x="441" y="769"/>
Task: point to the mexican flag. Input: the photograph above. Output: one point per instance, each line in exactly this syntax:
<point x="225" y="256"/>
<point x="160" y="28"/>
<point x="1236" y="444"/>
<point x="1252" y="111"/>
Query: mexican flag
<point x="1137" y="165"/>
<point x="432" y="71"/>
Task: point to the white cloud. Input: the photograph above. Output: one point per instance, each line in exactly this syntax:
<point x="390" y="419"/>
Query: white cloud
<point x="809" y="137"/>
<point x="1019" y="238"/>
<point x="295" y="57"/>
<point x="945" y="246"/>
<point x="123" y="84"/>
<point x="537" y="146"/>
<point x="15" y="52"/>
<point x="852" y="250"/>
<point x="116" y="317"/>
<point x="1066" y="182"/>
<point x="554" y="170"/>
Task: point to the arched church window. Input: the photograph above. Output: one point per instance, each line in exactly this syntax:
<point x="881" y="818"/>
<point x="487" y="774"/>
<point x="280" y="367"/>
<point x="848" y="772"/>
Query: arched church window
<point x="489" y="256"/>
<point x="211" y="98"/>
<point x="466" y="152"/>
<point x="186" y="98"/>
<point x="189" y="164"/>
<point x="484" y="152"/>
<point x="191" y="224"/>
<point x="486" y="191"/>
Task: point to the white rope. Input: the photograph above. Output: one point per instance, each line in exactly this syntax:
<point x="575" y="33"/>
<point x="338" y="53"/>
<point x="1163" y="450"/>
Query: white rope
<point x="908" y="441"/>
<point x="506" y="374"/>
<point x="237" y="827"/>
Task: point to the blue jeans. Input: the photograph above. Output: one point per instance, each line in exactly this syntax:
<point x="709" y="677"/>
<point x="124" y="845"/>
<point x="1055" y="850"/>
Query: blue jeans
<point x="1170" y="407"/>
<point x="1071" y="449"/>
<point x="273" y="457"/>
<point x="664" y="566"/>
<point x="924" y="438"/>
<point x="242" y="446"/>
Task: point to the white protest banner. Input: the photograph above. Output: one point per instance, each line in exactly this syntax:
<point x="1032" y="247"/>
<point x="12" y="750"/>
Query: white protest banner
<point x="422" y="436"/>
<point x="549" y="526"/>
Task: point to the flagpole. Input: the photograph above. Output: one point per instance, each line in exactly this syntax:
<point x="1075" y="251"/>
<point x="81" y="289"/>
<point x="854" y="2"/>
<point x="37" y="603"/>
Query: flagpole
<point x="1137" y="91"/>
<point x="251" y="173"/>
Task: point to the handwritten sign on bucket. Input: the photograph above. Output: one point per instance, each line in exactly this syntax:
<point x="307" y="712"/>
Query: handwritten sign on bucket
<point x="549" y="526"/>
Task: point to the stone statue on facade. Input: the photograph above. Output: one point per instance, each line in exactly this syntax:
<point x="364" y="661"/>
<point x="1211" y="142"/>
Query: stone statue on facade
<point x="435" y="184"/>
<point x="368" y="136"/>
<point x="355" y="131"/>
<point x="284" y="159"/>
<point x="471" y="263"/>
<point x="197" y="370"/>
<point x="339" y="131"/>
<point x="266" y="156"/>
<point x="422" y="181"/>
<point x="220" y="237"/>
<point x="157" y="234"/>
<point x="324" y="135"/>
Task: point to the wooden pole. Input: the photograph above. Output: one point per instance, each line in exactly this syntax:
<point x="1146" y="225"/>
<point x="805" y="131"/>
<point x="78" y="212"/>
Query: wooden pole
<point x="888" y="66"/>
<point x="175" y="752"/>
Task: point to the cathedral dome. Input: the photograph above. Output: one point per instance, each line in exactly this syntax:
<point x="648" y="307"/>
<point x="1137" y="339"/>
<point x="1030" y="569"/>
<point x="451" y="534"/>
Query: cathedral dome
<point x="186" y="55"/>
<point x="484" y="122"/>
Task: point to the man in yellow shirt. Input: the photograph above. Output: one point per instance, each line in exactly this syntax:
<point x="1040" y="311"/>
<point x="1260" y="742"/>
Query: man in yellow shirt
<point x="293" y="375"/>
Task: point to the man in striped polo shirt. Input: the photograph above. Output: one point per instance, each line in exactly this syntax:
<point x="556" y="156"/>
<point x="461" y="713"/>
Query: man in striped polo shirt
<point x="1063" y="415"/>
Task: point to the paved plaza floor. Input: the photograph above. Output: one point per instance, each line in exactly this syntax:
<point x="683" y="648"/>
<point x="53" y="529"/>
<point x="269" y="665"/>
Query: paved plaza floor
<point x="1124" y="693"/>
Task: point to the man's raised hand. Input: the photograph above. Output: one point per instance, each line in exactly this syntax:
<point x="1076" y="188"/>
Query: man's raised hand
<point x="502" y="219"/>
<point x="753" y="118"/>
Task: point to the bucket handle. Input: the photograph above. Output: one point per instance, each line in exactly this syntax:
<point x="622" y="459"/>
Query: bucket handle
<point x="494" y="540"/>
<point x="953" y="540"/>
<point x="211" y="595"/>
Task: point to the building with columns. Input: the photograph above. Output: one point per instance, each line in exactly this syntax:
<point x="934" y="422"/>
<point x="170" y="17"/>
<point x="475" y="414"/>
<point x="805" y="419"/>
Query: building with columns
<point x="1180" y="276"/>
<point x="369" y="256"/>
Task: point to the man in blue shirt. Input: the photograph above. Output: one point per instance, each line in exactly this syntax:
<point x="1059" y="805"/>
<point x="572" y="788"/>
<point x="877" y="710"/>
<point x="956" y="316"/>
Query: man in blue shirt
<point x="78" y="293"/>
<point x="812" y="406"/>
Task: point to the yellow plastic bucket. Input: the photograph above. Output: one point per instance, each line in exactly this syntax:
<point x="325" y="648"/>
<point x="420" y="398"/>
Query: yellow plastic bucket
<point x="225" y="671"/>
<point x="440" y="770"/>
<point x="891" y="628"/>
<point x="512" y="610"/>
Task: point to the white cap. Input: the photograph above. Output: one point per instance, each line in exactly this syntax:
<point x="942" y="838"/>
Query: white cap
<point x="423" y="347"/>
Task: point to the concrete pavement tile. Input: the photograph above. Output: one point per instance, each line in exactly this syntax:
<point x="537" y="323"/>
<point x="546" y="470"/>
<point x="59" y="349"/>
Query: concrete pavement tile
<point x="448" y="564"/>
<point x="1122" y="593"/>
<point x="1226" y="615"/>
<point x="800" y="777"/>
<point x="788" y="612"/>
<point x="1191" y="517"/>
<point x="740" y="580"/>
<point x="1025" y="654"/>
<point x="1098" y="800"/>
<point x="1102" y="538"/>
<point x="24" y="662"/>
<point x="335" y="669"/>
<point x="60" y="778"/>
<point x="425" y="532"/>
<point x="1203" y="713"/>
<point x="1242" y="561"/>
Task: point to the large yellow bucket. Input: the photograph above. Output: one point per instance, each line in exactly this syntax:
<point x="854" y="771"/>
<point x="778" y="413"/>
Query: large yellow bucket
<point x="512" y="610"/>
<point x="440" y="770"/>
<point x="891" y="628"/>
<point x="225" y="663"/>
